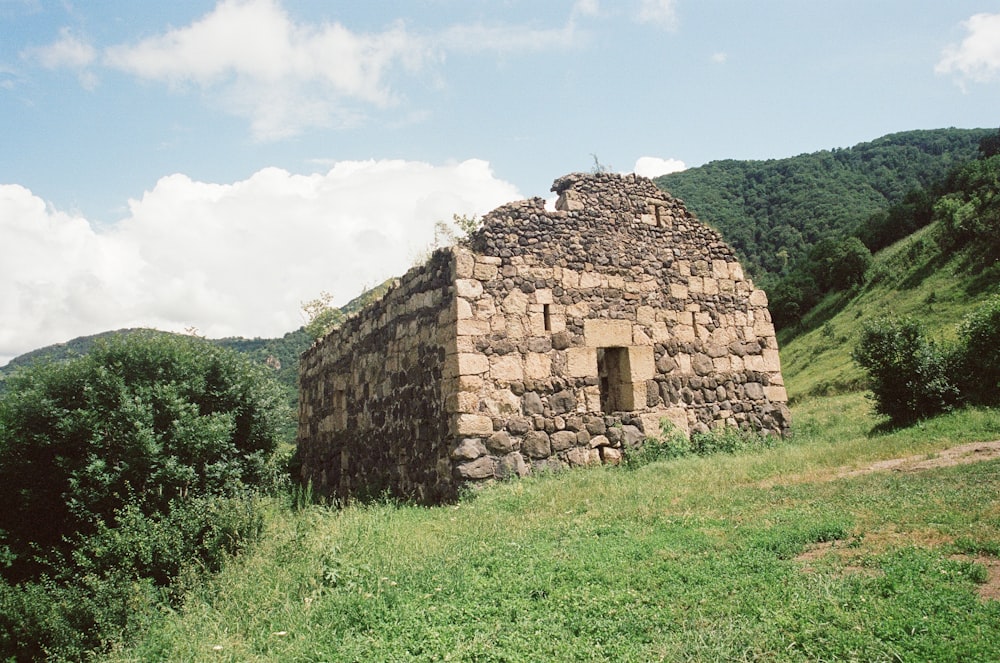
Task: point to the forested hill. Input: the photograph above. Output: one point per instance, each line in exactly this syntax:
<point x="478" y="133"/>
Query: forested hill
<point x="772" y="212"/>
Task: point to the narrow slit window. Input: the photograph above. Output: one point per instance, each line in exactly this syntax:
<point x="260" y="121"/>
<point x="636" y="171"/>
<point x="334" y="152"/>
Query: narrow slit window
<point x="547" y="316"/>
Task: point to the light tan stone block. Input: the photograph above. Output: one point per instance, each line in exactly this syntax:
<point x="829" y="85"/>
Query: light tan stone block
<point x="516" y="303"/>
<point x="464" y="263"/>
<point x="570" y="279"/>
<point x="485" y="308"/>
<point x="515" y="326"/>
<point x="615" y="281"/>
<point x="646" y="315"/>
<point x="578" y="310"/>
<point x="711" y="286"/>
<point x="641" y="365"/>
<point x="684" y="333"/>
<point x="502" y="403"/>
<point x="772" y="361"/>
<point x="468" y="288"/>
<point x="506" y="368"/>
<point x="776" y="394"/>
<point x="581" y="362"/>
<point x="720" y="269"/>
<point x="683" y="267"/>
<point x="471" y="424"/>
<point x="465" y="344"/>
<point x="489" y="260"/>
<point x="722" y="365"/>
<point x="543" y="296"/>
<point x="485" y="272"/>
<point x="684" y="364"/>
<point x="469" y="383"/>
<point x="592" y="280"/>
<point x="607" y="333"/>
<point x="536" y="323"/>
<point x="462" y="401"/>
<point x="472" y="363"/>
<point x="763" y="329"/>
<point x="472" y="328"/>
<point x="463" y="309"/>
<point x="639" y="337"/>
<point x="758" y="298"/>
<point x="591" y="399"/>
<point x="736" y="271"/>
<point x="696" y="285"/>
<point x="537" y="366"/>
<point x="727" y="285"/>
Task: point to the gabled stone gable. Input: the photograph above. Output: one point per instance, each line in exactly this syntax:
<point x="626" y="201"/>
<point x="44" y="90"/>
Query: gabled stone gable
<point x="554" y="339"/>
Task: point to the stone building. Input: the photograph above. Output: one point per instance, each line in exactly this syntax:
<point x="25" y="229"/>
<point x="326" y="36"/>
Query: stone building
<point x="551" y="339"/>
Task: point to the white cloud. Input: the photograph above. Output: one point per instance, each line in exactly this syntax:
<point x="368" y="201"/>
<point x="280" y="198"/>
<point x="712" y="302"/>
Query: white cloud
<point x="586" y="8"/>
<point x="507" y="38"/>
<point x="977" y="58"/>
<point x="662" y="13"/>
<point x="655" y="166"/>
<point x="229" y="259"/>
<point x="67" y="51"/>
<point x="719" y="58"/>
<point x="282" y="75"/>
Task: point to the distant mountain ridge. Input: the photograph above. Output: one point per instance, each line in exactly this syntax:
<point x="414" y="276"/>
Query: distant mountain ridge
<point x="771" y="212"/>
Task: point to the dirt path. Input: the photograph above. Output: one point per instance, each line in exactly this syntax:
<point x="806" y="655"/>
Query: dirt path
<point x="973" y="452"/>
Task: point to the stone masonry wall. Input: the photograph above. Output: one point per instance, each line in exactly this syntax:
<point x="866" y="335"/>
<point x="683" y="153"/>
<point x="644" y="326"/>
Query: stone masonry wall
<point x="371" y="409"/>
<point x="579" y="330"/>
<point x="552" y="339"/>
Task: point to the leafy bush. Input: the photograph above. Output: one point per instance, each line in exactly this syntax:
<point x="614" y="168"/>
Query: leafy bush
<point x="978" y="355"/>
<point x="142" y="421"/>
<point x="908" y="374"/>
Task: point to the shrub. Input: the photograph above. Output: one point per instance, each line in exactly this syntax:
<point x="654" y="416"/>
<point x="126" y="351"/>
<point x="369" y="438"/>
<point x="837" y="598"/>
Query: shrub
<point x="978" y="355"/>
<point x="908" y="374"/>
<point x="143" y="421"/>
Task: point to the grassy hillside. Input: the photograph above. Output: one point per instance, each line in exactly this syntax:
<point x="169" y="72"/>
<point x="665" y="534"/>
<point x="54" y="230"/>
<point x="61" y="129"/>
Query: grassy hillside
<point x="765" y="556"/>
<point x="913" y="277"/>
<point x="773" y="211"/>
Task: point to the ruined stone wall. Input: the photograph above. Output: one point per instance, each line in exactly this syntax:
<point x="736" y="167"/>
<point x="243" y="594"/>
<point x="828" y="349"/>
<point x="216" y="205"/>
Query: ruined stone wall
<point x="580" y="329"/>
<point x="372" y="416"/>
<point x="553" y="339"/>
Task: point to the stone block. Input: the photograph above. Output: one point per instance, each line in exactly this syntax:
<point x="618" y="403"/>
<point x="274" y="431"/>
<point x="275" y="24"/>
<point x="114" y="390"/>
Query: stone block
<point x="645" y="315"/>
<point x="506" y="368"/>
<point x="582" y="456"/>
<point x="678" y="291"/>
<point x="512" y="465"/>
<point x="515" y="303"/>
<point x="481" y="468"/>
<point x="500" y="442"/>
<point x="464" y="263"/>
<point x="543" y="296"/>
<point x="610" y="455"/>
<point x="776" y="394"/>
<point x="536" y="444"/>
<point x="720" y="269"/>
<point x="471" y="424"/>
<point x="537" y="366"/>
<point x="641" y="364"/>
<point x="470" y="448"/>
<point x="592" y="280"/>
<point x="562" y="440"/>
<point x="485" y="271"/>
<point x="581" y="362"/>
<point x="772" y="360"/>
<point x="607" y="333"/>
<point x="468" y="288"/>
<point x="462" y="401"/>
<point x="758" y="298"/>
<point x="472" y="327"/>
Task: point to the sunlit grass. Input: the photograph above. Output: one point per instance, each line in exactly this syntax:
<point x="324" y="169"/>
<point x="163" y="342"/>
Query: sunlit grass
<point x="688" y="559"/>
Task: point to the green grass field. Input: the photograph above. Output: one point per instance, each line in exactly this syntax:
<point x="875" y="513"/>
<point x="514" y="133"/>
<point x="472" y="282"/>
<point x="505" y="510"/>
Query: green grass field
<point x="698" y="558"/>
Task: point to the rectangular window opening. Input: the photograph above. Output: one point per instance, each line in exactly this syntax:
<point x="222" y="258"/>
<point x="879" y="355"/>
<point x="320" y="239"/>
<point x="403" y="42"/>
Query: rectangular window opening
<point x="547" y="316"/>
<point x="614" y="377"/>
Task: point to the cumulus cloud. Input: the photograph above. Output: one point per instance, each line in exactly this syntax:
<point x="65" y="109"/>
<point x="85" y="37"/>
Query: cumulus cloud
<point x="281" y="74"/>
<point x="662" y="13"/>
<point x="977" y="58"/>
<point x="229" y="259"/>
<point x="655" y="166"/>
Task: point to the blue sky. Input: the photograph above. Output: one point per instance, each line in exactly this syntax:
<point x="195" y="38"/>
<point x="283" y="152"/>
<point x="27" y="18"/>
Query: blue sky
<point x="214" y="164"/>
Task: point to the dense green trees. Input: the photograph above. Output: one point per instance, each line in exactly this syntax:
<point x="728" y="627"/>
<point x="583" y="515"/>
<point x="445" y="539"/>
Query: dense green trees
<point x="773" y="212"/>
